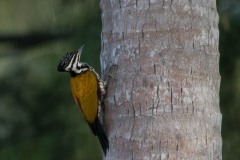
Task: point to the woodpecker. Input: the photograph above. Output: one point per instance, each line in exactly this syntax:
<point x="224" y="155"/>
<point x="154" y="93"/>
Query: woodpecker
<point x="88" y="90"/>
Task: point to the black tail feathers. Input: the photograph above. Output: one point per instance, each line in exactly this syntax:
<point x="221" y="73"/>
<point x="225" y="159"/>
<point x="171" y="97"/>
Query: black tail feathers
<point x="98" y="130"/>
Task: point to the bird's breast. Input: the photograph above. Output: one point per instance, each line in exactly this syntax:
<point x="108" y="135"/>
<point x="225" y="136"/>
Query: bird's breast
<point x="84" y="90"/>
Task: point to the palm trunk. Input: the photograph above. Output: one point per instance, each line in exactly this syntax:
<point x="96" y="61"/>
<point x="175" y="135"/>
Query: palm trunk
<point x="161" y="60"/>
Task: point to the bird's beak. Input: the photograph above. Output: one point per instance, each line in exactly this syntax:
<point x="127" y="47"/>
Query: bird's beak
<point x="79" y="53"/>
<point x="81" y="48"/>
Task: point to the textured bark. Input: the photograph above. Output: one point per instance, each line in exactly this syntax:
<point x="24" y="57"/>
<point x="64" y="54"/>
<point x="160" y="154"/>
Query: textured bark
<point x="161" y="60"/>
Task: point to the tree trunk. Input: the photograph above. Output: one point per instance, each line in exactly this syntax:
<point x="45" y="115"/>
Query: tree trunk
<point x="161" y="60"/>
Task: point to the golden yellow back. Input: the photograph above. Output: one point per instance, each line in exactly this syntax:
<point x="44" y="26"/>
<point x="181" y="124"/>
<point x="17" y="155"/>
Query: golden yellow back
<point x="84" y="89"/>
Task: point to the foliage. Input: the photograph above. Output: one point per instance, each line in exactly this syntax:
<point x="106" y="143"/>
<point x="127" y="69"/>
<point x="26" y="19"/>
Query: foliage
<point x="38" y="117"/>
<point x="229" y="67"/>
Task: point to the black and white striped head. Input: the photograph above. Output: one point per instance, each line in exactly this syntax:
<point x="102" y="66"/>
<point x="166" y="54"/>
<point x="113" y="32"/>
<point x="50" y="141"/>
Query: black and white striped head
<point x="71" y="63"/>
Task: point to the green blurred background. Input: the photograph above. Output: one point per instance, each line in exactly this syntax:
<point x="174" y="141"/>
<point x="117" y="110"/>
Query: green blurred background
<point x="38" y="117"/>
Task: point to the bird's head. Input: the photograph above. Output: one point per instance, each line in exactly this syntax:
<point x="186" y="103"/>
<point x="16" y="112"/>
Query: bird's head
<point x="70" y="62"/>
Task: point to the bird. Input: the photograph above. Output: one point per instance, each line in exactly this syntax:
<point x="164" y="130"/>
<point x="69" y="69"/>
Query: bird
<point x="88" y="90"/>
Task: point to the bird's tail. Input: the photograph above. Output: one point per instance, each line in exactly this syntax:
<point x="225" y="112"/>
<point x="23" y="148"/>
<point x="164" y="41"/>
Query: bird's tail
<point x="98" y="130"/>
